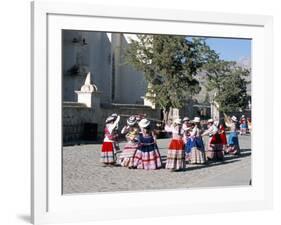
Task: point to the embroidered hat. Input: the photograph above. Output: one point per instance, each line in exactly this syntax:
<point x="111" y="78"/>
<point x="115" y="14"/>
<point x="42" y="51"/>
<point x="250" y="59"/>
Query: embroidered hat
<point x="196" y="120"/>
<point x="109" y="119"/>
<point x="177" y="121"/>
<point x="131" y="120"/>
<point x="144" y="123"/>
<point x="114" y="115"/>
<point x="233" y="118"/>
<point x="210" y="121"/>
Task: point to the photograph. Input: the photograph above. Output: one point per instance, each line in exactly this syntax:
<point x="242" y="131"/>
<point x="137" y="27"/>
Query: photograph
<point x="147" y="112"/>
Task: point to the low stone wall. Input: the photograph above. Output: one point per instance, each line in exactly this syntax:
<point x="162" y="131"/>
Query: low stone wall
<point x="79" y="121"/>
<point x="75" y="116"/>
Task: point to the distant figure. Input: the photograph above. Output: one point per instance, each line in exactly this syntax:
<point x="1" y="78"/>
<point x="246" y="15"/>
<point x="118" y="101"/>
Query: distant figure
<point x="249" y="122"/>
<point x="108" y="151"/>
<point x="187" y="127"/>
<point x="147" y="155"/>
<point x="233" y="142"/>
<point x="243" y="125"/>
<point x="175" y="156"/>
<point x="222" y="134"/>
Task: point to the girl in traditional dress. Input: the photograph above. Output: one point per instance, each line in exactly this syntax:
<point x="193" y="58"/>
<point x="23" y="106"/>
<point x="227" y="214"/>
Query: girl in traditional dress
<point x="215" y="146"/>
<point x="249" y="122"/>
<point x="108" y="152"/>
<point x="243" y="125"/>
<point x="147" y="155"/>
<point x="222" y="133"/>
<point x="131" y="131"/>
<point x="187" y="127"/>
<point x="195" y="144"/>
<point x="233" y="142"/>
<point x="176" y="156"/>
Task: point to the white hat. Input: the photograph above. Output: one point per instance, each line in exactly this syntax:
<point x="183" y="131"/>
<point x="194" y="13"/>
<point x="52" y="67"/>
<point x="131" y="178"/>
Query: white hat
<point x="233" y="118"/>
<point x="109" y="119"/>
<point x="114" y="115"/>
<point x="177" y="121"/>
<point x="131" y="120"/>
<point x="210" y="121"/>
<point x="185" y="119"/>
<point x="196" y="120"/>
<point x="144" y="123"/>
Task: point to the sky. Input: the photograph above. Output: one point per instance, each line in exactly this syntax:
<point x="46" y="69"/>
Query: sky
<point x="231" y="49"/>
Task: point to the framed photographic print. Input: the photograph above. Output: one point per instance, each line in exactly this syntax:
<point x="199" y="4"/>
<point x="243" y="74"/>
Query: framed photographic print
<point x="163" y="110"/>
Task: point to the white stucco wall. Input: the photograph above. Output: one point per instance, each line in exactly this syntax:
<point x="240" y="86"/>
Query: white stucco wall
<point x="97" y="57"/>
<point x="133" y="84"/>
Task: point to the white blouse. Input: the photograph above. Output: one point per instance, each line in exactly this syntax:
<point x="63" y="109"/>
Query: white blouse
<point x="110" y="127"/>
<point x="175" y="131"/>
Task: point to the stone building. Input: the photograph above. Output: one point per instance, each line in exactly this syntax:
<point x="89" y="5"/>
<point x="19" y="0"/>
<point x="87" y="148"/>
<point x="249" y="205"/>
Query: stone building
<point x="97" y="82"/>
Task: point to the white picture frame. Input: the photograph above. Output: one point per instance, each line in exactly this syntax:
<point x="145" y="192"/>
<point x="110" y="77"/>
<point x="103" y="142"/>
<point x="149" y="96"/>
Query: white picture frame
<point x="48" y="204"/>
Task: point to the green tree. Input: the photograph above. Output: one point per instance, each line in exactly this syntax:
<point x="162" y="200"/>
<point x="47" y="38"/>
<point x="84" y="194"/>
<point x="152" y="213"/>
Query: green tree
<point x="229" y="83"/>
<point x="170" y="64"/>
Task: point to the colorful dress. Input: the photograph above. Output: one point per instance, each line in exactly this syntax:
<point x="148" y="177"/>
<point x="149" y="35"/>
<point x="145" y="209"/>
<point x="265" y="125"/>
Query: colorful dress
<point x="215" y="146"/>
<point x="147" y="155"/>
<point x="126" y="157"/>
<point x="108" y="151"/>
<point x="223" y="137"/>
<point x="196" y="147"/>
<point x="175" y="156"/>
<point x="233" y="142"/>
<point x="187" y="147"/>
<point x="243" y="126"/>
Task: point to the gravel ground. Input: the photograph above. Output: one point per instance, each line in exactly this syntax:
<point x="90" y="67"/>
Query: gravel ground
<point x="83" y="173"/>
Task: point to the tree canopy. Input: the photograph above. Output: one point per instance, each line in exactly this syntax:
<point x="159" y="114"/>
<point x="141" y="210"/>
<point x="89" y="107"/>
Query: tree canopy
<point x="229" y="83"/>
<point x="170" y="64"/>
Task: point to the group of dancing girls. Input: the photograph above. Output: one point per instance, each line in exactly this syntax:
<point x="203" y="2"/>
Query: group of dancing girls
<point x="186" y="145"/>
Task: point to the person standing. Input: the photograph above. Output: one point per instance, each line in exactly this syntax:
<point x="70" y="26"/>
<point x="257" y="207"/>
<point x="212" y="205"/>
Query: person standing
<point x="126" y="157"/>
<point x="187" y="127"/>
<point x="249" y="122"/>
<point x="175" y="156"/>
<point x="233" y="142"/>
<point x="222" y="133"/>
<point x="243" y="125"/>
<point x="195" y="143"/>
<point x="215" y="147"/>
<point x="108" y="152"/>
<point x="147" y="155"/>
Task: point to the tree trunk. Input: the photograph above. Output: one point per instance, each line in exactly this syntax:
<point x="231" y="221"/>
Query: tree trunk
<point x="167" y="114"/>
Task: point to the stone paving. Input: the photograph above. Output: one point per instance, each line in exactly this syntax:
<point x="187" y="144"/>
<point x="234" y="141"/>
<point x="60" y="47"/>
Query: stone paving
<point x="83" y="173"/>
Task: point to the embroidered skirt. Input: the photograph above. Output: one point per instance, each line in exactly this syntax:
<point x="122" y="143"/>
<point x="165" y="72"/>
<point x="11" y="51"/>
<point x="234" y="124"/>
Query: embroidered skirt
<point x="176" y="156"/>
<point x="197" y="156"/>
<point x="108" y="153"/>
<point x="215" y="152"/>
<point x="233" y="144"/>
<point x="195" y="150"/>
<point x="126" y="157"/>
<point x="147" y="157"/>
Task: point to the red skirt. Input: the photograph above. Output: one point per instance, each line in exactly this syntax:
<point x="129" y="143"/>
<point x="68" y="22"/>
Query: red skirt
<point x="176" y="144"/>
<point x="223" y="139"/>
<point x="107" y="147"/>
<point x="216" y="139"/>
